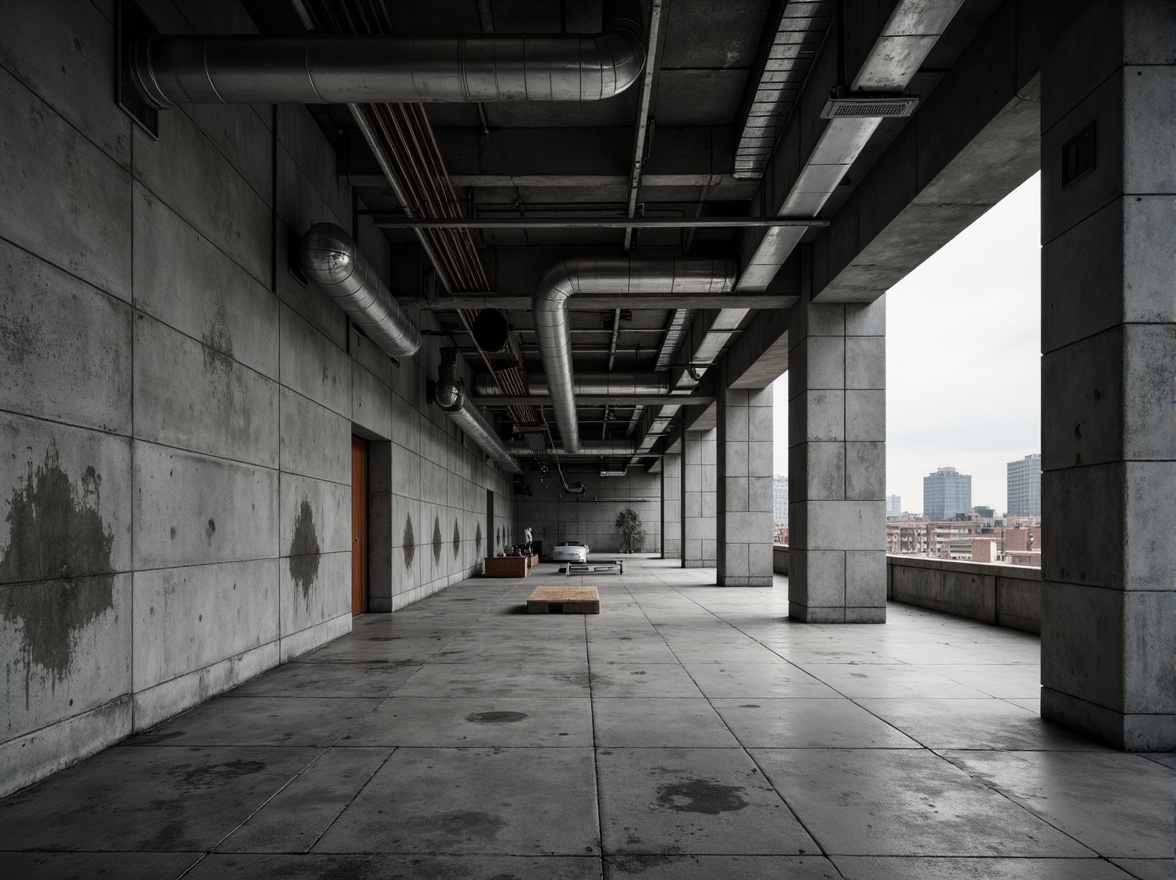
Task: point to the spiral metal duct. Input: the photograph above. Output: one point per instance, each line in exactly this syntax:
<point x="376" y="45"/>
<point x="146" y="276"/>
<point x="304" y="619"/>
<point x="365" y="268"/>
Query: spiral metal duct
<point x="602" y="448"/>
<point x="452" y="401"/>
<point x="616" y="385"/>
<point x="333" y="262"/>
<point x="334" y="69"/>
<point x="617" y="275"/>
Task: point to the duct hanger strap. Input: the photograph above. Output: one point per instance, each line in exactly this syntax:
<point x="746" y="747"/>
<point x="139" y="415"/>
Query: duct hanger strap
<point x="334" y="69"/>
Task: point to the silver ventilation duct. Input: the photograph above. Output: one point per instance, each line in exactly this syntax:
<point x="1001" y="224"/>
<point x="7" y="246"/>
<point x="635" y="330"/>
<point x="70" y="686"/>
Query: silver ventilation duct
<point x="601" y="448"/>
<point x="616" y="385"/>
<point x="332" y="69"/>
<point x="333" y="262"/>
<point x="617" y="275"/>
<point x="451" y="400"/>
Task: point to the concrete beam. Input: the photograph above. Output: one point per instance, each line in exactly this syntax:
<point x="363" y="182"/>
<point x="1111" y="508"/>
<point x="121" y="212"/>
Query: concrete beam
<point x="972" y="141"/>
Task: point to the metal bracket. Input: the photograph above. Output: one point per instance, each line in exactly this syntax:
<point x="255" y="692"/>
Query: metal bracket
<point x="133" y="22"/>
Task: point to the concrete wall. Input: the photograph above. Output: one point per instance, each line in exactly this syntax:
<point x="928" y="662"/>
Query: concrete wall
<point x="591" y="518"/>
<point x="176" y="415"/>
<point x="780" y="559"/>
<point x="1004" y="595"/>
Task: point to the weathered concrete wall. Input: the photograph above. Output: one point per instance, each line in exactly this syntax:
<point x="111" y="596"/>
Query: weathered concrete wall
<point x="1005" y="595"/>
<point x="780" y="559"/>
<point x="177" y="410"/>
<point x="591" y="518"/>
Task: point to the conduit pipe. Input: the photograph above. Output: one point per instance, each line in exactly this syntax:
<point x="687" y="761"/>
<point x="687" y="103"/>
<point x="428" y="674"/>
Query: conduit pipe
<point x="451" y="400"/>
<point x="619" y="386"/>
<point x="618" y="276"/>
<point x="331" y="260"/>
<point x="345" y="69"/>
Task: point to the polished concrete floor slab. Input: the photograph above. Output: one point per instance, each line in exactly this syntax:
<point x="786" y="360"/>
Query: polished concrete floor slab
<point x="687" y="731"/>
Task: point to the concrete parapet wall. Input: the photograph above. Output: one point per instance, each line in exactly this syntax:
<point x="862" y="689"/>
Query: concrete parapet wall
<point x="780" y="559"/>
<point x="1004" y="595"/>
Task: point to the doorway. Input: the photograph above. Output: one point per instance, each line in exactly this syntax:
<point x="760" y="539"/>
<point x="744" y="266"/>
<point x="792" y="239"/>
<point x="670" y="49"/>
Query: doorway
<point x="491" y="538"/>
<point x="359" y="526"/>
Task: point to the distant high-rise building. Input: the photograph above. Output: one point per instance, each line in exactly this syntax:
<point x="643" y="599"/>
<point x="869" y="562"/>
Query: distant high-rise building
<point x="1025" y="486"/>
<point x="946" y="493"/>
<point x="894" y="505"/>
<point x="780" y="499"/>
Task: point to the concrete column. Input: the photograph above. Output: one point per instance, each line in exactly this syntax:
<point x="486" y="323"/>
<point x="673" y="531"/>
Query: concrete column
<point x="744" y="487"/>
<point x="698" y="499"/>
<point x="671" y="506"/>
<point x="1108" y="421"/>
<point x="837" y="463"/>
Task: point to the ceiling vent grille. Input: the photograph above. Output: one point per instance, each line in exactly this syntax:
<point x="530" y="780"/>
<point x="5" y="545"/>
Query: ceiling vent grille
<point x="869" y="107"/>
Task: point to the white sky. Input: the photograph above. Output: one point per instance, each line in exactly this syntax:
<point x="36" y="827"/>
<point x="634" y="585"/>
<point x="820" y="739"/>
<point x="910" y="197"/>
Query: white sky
<point x="963" y="371"/>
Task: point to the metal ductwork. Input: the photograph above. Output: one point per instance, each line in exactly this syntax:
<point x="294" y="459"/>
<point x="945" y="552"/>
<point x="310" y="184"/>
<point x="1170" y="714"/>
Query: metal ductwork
<point x="616" y="385"/>
<point x="601" y="448"/>
<point x="331" y="260"/>
<point x="451" y="400"/>
<point x="333" y="69"/>
<point x="618" y="276"/>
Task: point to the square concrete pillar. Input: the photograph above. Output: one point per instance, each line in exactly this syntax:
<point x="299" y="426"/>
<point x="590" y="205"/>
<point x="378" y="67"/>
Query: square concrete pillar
<point x="1108" y="420"/>
<point x="698" y="499"/>
<point x="671" y="505"/>
<point x="743" y="458"/>
<point x="837" y="463"/>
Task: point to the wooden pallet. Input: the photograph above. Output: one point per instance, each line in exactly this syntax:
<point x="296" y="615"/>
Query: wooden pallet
<point x="563" y="600"/>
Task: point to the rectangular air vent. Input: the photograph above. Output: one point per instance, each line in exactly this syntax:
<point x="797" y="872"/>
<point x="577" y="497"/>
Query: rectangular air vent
<point x="869" y="107"/>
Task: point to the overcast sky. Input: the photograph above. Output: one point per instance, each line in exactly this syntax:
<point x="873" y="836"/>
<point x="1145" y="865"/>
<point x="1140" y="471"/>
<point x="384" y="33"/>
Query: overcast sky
<point x="963" y="372"/>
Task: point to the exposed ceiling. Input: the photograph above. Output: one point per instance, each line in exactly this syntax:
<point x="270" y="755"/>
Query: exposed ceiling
<point x="723" y="78"/>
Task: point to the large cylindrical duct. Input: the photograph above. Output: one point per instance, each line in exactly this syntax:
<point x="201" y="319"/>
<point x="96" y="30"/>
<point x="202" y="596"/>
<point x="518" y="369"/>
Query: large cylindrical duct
<point x="452" y="400"/>
<point x="599" y="448"/>
<point x="618" y="385"/>
<point x="331" y="69"/>
<point x="331" y="260"/>
<point x="616" y="275"/>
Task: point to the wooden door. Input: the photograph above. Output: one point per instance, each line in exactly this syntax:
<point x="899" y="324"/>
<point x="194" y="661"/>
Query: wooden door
<point x="359" y="530"/>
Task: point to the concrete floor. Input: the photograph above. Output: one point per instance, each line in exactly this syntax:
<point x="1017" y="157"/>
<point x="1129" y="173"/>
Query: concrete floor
<point x="687" y="731"/>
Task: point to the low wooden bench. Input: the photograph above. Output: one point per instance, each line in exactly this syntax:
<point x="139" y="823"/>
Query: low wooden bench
<point x="506" y="567"/>
<point x="612" y="566"/>
<point x="563" y="600"/>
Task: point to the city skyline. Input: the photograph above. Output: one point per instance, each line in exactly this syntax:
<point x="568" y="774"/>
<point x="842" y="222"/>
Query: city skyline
<point x="963" y="362"/>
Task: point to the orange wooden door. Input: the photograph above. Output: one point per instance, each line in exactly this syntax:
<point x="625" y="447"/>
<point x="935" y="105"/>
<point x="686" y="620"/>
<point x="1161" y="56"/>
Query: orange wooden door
<point x="359" y="530"/>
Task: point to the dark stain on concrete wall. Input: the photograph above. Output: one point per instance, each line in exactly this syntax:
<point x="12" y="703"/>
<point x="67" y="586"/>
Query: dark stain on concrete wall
<point x="409" y="542"/>
<point x="19" y="336"/>
<point x="210" y="530"/>
<point x="478" y="539"/>
<point x="304" y="550"/>
<point x="456" y="539"/>
<point x="438" y="541"/>
<point x="218" y="344"/>
<point x="56" y="535"/>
